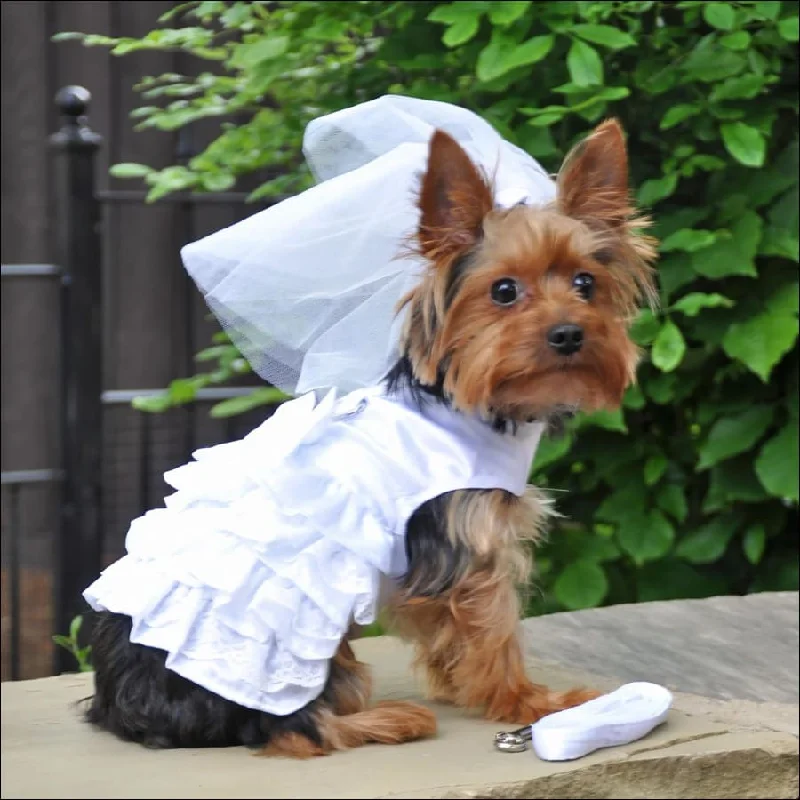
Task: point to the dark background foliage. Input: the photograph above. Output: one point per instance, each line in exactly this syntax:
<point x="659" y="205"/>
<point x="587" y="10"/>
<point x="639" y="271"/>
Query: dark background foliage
<point x="692" y="488"/>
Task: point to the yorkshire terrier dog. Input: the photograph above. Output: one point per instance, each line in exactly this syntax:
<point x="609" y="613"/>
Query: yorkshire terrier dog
<point x="522" y="315"/>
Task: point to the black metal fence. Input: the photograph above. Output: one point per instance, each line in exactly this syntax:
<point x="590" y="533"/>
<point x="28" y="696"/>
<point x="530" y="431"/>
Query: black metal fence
<point x="80" y="547"/>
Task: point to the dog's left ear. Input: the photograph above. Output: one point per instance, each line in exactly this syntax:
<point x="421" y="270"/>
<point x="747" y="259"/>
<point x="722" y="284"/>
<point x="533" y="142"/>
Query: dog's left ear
<point x="593" y="181"/>
<point x="453" y="200"/>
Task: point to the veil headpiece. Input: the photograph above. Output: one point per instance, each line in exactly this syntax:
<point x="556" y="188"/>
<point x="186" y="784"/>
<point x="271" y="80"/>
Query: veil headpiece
<point x="308" y="289"/>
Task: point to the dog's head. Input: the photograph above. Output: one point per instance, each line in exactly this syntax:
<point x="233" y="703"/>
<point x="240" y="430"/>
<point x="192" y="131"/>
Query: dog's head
<point x="524" y="312"/>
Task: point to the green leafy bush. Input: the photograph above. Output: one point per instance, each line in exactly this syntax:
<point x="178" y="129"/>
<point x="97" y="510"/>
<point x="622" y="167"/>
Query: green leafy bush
<point x="692" y="488"/>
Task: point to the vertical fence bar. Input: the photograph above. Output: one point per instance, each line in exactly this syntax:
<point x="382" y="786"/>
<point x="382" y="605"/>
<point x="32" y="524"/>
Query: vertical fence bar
<point x="79" y="254"/>
<point x="144" y="461"/>
<point x="14" y="563"/>
<point x="184" y="151"/>
<point x="229" y="429"/>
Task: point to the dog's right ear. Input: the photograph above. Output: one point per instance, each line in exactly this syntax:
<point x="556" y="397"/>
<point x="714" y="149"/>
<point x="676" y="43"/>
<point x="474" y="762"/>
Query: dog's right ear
<point x="454" y="198"/>
<point x="593" y="181"/>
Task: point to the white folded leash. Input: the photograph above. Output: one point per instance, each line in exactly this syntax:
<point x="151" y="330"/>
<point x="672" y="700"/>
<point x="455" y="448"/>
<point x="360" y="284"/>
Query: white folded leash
<point x="618" y="718"/>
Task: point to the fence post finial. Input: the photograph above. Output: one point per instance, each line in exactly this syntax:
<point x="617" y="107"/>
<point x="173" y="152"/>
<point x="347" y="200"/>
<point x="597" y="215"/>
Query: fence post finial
<point x="73" y="106"/>
<point x="78" y="250"/>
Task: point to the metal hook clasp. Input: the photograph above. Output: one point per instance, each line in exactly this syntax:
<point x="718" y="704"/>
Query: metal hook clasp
<point x="513" y="741"/>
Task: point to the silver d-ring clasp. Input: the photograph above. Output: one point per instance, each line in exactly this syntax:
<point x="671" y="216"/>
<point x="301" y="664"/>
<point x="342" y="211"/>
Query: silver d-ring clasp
<point x="513" y="741"/>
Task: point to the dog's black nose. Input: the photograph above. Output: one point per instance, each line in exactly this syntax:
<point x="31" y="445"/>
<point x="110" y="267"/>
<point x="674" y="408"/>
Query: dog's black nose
<point x="565" y="339"/>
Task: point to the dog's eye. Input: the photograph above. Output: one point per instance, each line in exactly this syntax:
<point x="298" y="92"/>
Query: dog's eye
<point x="583" y="283"/>
<point x="505" y="292"/>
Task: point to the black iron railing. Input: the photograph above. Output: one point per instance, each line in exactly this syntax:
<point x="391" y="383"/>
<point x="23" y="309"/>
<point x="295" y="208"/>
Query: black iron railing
<point x="78" y="548"/>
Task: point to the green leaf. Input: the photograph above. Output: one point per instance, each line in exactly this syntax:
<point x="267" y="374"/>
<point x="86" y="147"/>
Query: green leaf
<point x="218" y="182"/>
<point x="152" y="403"/>
<point x="661" y="389"/>
<point x="692" y="304"/>
<point x="734" y="255"/>
<point x="238" y="405"/>
<point x="626" y="502"/>
<point x="604" y="35"/>
<point x="732" y="481"/>
<point x="654" y="469"/>
<point x="590" y="95"/>
<point x="247" y="56"/>
<point x="732" y="435"/>
<point x="531" y="51"/>
<point x="75" y="627"/>
<point x="450" y="13"/>
<point x="753" y="543"/>
<point x="669" y="347"/>
<point x="504" y="13"/>
<point x="789" y="29"/>
<point x="656" y="189"/>
<point x="777" y="463"/>
<point x="676" y="272"/>
<point x="719" y="15"/>
<point x="538" y="142"/>
<point x="744" y="87"/>
<point x="550" y="450"/>
<point x="739" y="40"/>
<point x="461" y="31"/>
<point x="634" y="398"/>
<point x="744" y="142"/>
<point x="762" y="341"/>
<point x="171" y="179"/>
<point x="678" y="114"/>
<point x="68" y="36"/>
<point x="130" y="170"/>
<point x="781" y="237"/>
<point x="688" y="240"/>
<point x="645" y="327"/>
<point x="647" y="537"/>
<point x="769" y="9"/>
<point x="672" y="498"/>
<point x="710" y="63"/>
<point x="599" y="548"/>
<point x="547" y="118"/>
<point x="707" y="544"/>
<point x="609" y="420"/>
<point x="584" y="64"/>
<point x="503" y="54"/>
<point x="216" y="352"/>
<point x="182" y="390"/>
<point x="582" y="584"/>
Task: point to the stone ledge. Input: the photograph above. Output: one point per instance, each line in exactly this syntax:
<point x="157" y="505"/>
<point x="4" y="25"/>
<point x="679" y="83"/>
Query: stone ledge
<point x="708" y="748"/>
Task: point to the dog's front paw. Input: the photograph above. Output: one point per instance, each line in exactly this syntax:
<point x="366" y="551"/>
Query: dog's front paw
<point x="531" y="706"/>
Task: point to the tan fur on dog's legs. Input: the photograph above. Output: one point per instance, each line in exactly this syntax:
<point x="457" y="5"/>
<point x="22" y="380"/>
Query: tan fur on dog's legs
<point x="468" y="643"/>
<point x="388" y="722"/>
<point x="352" y="724"/>
<point x="343" y="720"/>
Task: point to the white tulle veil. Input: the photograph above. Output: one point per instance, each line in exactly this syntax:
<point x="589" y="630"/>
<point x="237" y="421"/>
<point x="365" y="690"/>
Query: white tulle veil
<point x="308" y="288"/>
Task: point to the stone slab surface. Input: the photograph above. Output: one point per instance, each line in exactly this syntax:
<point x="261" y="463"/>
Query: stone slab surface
<point x="709" y="748"/>
<point x="742" y="648"/>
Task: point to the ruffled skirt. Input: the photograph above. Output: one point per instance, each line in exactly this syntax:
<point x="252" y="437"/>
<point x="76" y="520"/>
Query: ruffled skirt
<point x="260" y="562"/>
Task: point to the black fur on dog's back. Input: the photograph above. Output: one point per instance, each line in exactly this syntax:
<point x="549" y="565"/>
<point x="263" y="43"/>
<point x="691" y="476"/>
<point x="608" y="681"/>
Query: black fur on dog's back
<point x="138" y="699"/>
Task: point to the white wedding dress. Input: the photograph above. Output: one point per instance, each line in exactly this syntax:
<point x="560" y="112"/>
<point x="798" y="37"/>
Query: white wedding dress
<point x="273" y="545"/>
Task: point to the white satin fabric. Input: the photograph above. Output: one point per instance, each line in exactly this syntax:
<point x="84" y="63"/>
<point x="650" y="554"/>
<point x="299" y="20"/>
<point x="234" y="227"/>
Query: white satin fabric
<point x="618" y="718"/>
<point x="271" y="546"/>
